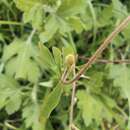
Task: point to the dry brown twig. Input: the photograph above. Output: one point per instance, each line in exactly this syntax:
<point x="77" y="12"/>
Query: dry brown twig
<point x="104" y="61"/>
<point x="99" y="51"/>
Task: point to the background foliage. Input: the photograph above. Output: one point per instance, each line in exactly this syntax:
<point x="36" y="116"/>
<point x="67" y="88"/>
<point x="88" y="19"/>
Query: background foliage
<point x="35" y="38"/>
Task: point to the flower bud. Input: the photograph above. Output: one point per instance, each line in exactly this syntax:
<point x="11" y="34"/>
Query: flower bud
<point x="70" y="59"/>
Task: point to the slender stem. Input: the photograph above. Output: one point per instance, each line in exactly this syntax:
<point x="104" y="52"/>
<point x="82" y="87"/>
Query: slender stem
<point x="102" y="126"/>
<point x="123" y="113"/>
<point x="66" y="72"/>
<point x="10" y="126"/>
<point x="104" y="61"/>
<point x="72" y="98"/>
<point x="116" y="127"/>
<point x="93" y="58"/>
<point x="10" y="26"/>
<point x="94" y="19"/>
<point x="10" y="22"/>
<point x="34" y="94"/>
<point x="73" y="127"/>
<point x="30" y="36"/>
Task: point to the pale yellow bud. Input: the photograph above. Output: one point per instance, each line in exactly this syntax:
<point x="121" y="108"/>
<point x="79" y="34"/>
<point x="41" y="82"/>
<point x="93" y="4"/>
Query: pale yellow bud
<point x="70" y="59"/>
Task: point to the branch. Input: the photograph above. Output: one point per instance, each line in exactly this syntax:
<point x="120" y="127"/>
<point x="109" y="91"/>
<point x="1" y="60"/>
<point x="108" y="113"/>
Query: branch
<point x="104" y="61"/>
<point x="99" y="51"/>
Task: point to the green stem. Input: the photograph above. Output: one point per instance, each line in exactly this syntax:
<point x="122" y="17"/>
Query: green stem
<point x="30" y="37"/>
<point x="10" y="126"/>
<point x="72" y="99"/>
<point x="94" y="20"/>
<point x="3" y="22"/>
<point x="102" y="126"/>
<point x="71" y="41"/>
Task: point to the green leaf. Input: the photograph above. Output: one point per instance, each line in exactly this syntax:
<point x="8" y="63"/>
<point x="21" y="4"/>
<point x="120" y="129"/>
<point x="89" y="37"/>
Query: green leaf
<point x="31" y="114"/>
<point x="45" y="57"/>
<point x="47" y="84"/>
<point x="1" y="37"/>
<point x="121" y="76"/>
<point x="10" y="94"/>
<point x="58" y="57"/>
<point x="51" y="28"/>
<point x="63" y="25"/>
<point x="50" y="102"/>
<point x="14" y="103"/>
<point x="120" y="10"/>
<point x="35" y="16"/>
<point x="77" y="24"/>
<point x="103" y="20"/>
<point x="70" y="7"/>
<point x="118" y="41"/>
<point x="12" y="49"/>
<point x="20" y="54"/>
<point x="67" y="50"/>
<point x="26" y="5"/>
<point x="93" y="108"/>
<point x="95" y="83"/>
<point x="54" y="24"/>
<point x="126" y="32"/>
<point x="33" y="11"/>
